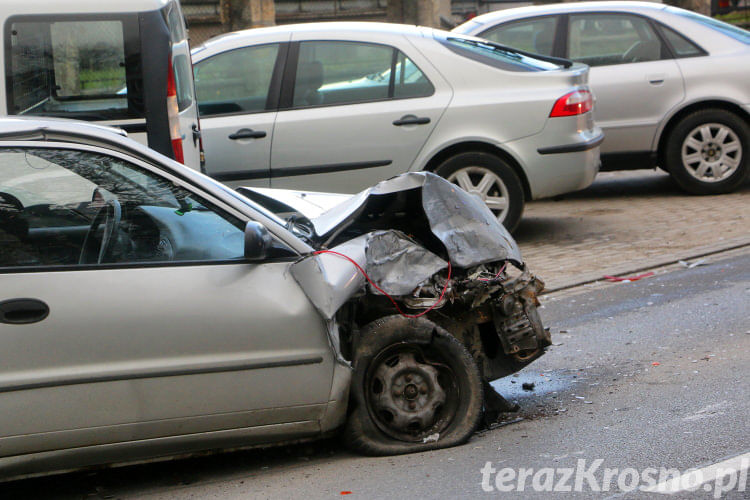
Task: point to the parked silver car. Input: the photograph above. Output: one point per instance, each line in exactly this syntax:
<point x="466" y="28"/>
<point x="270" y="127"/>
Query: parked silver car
<point x="340" y="106"/>
<point x="147" y="310"/>
<point x="672" y="87"/>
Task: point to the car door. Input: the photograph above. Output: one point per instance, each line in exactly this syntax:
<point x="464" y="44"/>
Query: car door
<point x="237" y="97"/>
<point x="634" y="78"/>
<point x="127" y="311"/>
<point x="352" y="113"/>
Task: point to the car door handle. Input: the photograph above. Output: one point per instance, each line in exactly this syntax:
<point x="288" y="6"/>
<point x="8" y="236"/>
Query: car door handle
<point x="22" y="311"/>
<point x="411" y="120"/>
<point x="656" y="79"/>
<point x="246" y="133"/>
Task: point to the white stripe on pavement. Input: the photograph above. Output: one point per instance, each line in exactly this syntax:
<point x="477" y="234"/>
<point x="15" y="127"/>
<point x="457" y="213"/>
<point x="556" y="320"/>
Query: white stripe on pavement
<point x="692" y="479"/>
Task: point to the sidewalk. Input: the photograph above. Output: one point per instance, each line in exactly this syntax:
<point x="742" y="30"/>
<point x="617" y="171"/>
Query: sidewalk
<point x="624" y="222"/>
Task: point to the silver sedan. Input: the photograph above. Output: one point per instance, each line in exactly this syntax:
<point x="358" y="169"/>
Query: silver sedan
<point x="147" y="310"/>
<point x="340" y="106"/>
<point x="672" y="87"/>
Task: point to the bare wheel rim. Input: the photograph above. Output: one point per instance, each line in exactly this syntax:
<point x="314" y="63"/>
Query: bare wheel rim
<point x="409" y="396"/>
<point x="486" y="184"/>
<point x="711" y="152"/>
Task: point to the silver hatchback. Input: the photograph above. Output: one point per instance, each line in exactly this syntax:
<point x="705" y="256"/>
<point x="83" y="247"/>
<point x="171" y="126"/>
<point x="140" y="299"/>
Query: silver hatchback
<point x="341" y="106"/>
<point x="148" y="311"/>
<point x="672" y="87"/>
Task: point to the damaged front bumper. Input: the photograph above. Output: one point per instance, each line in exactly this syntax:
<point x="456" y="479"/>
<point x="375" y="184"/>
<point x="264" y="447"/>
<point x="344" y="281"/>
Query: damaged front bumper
<point x="424" y="245"/>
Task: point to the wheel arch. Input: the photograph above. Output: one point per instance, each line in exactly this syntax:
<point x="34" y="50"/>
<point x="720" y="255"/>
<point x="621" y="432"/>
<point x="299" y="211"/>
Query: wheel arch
<point x="484" y="147"/>
<point x="691" y="108"/>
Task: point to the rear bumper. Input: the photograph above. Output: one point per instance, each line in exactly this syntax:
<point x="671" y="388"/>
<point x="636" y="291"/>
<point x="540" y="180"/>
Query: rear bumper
<point x="552" y="173"/>
<point x="573" y="148"/>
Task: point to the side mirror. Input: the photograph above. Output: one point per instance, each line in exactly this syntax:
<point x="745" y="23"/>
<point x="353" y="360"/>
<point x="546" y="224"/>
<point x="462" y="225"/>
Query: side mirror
<point x="257" y="241"/>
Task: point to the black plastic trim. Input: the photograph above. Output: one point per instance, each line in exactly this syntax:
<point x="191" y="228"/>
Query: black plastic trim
<point x="93" y="379"/>
<point x="286" y="90"/>
<point x="35" y="311"/>
<point x="132" y="128"/>
<point x="139" y="265"/>
<point x="628" y="160"/>
<point x="572" y="148"/>
<point x="294" y="171"/>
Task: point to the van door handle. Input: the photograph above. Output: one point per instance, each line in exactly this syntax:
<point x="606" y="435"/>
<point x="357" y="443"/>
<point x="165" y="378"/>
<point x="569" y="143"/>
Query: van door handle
<point x="411" y="120"/>
<point x="246" y="133"/>
<point x="22" y="311"/>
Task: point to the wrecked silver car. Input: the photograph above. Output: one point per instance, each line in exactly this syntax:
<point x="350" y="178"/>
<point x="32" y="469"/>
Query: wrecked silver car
<point x="147" y="311"/>
<point x="414" y="279"/>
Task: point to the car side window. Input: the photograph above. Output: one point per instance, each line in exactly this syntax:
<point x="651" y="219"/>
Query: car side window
<point x="533" y="35"/>
<point x="606" y="39"/>
<point x="237" y="81"/>
<point x="64" y="207"/>
<point x="330" y="73"/>
<point x="681" y="46"/>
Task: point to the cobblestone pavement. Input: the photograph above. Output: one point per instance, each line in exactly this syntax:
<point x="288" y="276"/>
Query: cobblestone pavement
<point x="624" y="222"/>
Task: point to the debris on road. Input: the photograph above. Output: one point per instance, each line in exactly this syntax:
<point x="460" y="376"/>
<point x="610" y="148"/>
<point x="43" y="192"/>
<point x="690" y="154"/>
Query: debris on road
<point x="432" y="438"/>
<point x="528" y="386"/>
<point x="690" y="265"/>
<point x="628" y="279"/>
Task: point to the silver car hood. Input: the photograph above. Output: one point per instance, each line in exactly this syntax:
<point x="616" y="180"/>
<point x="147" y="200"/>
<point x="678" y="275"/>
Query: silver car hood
<point x="400" y="231"/>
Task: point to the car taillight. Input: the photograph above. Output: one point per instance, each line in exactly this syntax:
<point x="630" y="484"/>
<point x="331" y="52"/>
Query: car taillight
<point x="173" y="114"/>
<point x="574" y="103"/>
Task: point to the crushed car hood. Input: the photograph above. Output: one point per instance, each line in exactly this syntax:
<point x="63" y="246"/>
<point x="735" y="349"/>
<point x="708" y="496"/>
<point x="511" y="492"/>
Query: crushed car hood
<point x="469" y="231"/>
<point x="400" y="232"/>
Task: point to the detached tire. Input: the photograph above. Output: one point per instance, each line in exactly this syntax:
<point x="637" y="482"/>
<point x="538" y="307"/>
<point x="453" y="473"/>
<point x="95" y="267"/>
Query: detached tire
<point x="415" y="387"/>
<point x="492" y="179"/>
<point x="707" y="152"/>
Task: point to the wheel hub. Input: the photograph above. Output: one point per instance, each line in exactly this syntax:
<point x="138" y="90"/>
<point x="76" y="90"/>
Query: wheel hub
<point x="406" y="395"/>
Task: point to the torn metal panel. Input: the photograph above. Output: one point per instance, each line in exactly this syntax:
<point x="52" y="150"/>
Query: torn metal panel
<point x="329" y="280"/>
<point x="397" y="264"/>
<point x="472" y="235"/>
<point x="468" y="230"/>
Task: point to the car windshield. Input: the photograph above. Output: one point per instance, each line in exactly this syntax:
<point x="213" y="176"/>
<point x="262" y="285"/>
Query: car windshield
<point x="727" y="29"/>
<point x="506" y="57"/>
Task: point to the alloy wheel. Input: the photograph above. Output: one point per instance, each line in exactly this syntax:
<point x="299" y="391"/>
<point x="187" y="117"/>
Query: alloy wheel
<point x="484" y="183"/>
<point x="711" y="152"/>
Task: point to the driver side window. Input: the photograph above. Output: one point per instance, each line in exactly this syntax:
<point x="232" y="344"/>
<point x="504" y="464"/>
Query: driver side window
<point x="63" y="207"/>
<point x="606" y="39"/>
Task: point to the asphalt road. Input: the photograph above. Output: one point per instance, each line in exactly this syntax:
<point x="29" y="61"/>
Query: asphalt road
<point x="647" y="374"/>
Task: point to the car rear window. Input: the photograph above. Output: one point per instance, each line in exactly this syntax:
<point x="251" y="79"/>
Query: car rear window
<point x="496" y="55"/>
<point x="74" y="68"/>
<point x="724" y="28"/>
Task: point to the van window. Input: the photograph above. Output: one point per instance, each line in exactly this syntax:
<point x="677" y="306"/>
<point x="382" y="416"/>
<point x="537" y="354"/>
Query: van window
<point x="85" y="69"/>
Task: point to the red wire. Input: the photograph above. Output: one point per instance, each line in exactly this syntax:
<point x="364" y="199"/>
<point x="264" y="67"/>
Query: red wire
<point x="395" y="304"/>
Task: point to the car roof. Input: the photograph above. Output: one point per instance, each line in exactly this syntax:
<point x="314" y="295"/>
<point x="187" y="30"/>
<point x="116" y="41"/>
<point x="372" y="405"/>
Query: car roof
<point x="18" y="127"/>
<point x="12" y="7"/>
<point x="540" y="10"/>
<point x="60" y="130"/>
<point x="322" y="27"/>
